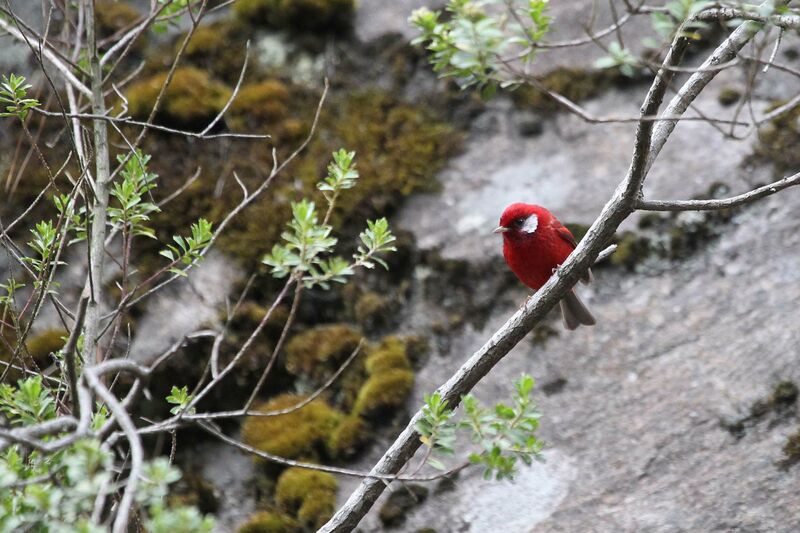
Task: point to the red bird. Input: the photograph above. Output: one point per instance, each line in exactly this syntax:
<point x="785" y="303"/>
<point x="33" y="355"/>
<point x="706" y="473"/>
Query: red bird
<point x="535" y="244"/>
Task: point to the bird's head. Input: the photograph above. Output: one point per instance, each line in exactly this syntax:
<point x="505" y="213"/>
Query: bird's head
<point x="519" y="220"/>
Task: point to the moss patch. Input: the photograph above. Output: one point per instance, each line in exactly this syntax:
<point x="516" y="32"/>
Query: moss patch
<point x="265" y="107"/>
<point x="671" y="236"/>
<point x="400" y="502"/>
<point x="779" y="139"/>
<point x="778" y="404"/>
<point x="573" y="83"/>
<point x="112" y="19"/>
<point x="297" y="15"/>
<point x="399" y="147"/>
<point x="728" y="96"/>
<point x="301" y="433"/>
<point x="307" y="494"/>
<point x="36" y="354"/>
<point x="373" y="311"/>
<point x="791" y="450"/>
<point x="269" y="522"/>
<point x="318" y="352"/>
<point x="193" y="489"/>
<point x="217" y="48"/>
<point x="349" y="438"/>
<point x="40" y="346"/>
<point x="192" y="99"/>
<point x="384" y="392"/>
<point x="390" y="354"/>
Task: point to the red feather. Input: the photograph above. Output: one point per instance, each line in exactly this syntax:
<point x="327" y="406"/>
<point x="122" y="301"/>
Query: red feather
<point x="534" y="248"/>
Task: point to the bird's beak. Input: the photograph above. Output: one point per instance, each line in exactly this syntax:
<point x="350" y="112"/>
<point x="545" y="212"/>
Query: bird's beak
<point x="500" y="229"/>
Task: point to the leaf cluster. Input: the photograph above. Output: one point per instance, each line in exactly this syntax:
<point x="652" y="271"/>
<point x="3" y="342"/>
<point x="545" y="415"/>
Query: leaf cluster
<point x="134" y="212"/>
<point x="59" y="491"/>
<point x="503" y="435"/>
<point x="189" y="249"/>
<point x="309" y="244"/>
<point x="13" y="94"/>
<point x="468" y="44"/>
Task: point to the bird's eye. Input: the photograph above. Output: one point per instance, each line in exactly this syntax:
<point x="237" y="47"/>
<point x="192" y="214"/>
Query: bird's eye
<point x="519" y="222"/>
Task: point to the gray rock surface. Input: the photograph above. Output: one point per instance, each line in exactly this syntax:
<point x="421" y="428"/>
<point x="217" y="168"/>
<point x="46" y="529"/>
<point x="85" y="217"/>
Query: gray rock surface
<point x="185" y="306"/>
<point x="635" y="436"/>
<point x="636" y="433"/>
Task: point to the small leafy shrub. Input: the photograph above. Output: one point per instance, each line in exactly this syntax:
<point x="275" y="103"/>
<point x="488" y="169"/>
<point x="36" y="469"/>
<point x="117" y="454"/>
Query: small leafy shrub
<point x="502" y="435"/>
<point x="57" y="492"/>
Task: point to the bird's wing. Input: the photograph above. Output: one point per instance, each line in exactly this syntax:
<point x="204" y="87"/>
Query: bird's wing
<point x="566" y="235"/>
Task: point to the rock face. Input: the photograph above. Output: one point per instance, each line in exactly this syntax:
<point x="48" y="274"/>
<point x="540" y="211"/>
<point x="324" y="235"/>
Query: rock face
<point x="184" y="308"/>
<point x="637" y="437"/>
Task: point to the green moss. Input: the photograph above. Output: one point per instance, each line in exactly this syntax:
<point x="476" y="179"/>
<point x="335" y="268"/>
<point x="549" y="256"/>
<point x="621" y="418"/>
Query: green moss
<point x="784" y="393"/>
<point x="631" y="250"/>
<point x="269" y="522"/>
<point x="192" y="99"/>
<point x="728" y="96"/>
<point x="217" y="48"/>
<point x="349" y="438"/>
<point x="779" y="139"/>
<point x="297" y="15"/>
<point x="308" y="494"/>
<point x="192" y="489"/>
<point x="265" y="107"/>
<point x="783" y="396"/>
<point x="49" y="341"/>
<point x="573" y="83"/>
<point x="389" y="355"/>
<point x="417" y="349"/>
<point x="778" y="404"/>
<point x="791" y="449"/>
<point x="400" y="502"/>
<point x="300" y="433"/>
<point x="115" y="17"/>
<point x="319" y="351"/>
<point x="399" y="147"/>
<point x="37" y="353"/>
<point x="384" y="392"/>
<point x="373" y="311"/>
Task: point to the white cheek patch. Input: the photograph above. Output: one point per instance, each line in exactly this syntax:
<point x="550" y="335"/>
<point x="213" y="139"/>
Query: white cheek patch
<point x="530" y="225"/>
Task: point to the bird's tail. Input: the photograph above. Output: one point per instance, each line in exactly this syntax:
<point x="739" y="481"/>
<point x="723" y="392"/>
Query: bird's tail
<point x="574" y="312"/>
